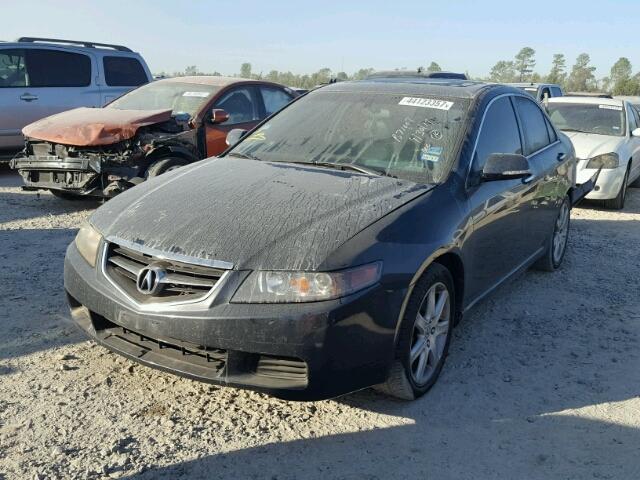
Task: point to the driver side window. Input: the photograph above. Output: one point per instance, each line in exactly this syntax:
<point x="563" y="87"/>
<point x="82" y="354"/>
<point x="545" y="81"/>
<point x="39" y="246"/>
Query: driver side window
<point x="239" y="104"/>
<point x="499" y="134"/>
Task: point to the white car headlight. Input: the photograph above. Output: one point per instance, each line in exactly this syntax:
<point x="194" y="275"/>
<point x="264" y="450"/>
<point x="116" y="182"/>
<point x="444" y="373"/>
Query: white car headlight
<point x="606" y="160"/>
<point x="296" y="287"/>
<point x="88" y="243"/>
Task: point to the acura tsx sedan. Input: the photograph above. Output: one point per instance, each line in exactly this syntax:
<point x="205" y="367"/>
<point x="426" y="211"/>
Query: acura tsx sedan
<point x="336" y="245"/>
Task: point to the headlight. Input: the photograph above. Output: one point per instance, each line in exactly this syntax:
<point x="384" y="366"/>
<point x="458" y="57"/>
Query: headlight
<point x="88" y="242"/>
<point x="295" y="287"/>
<point x="607" y="160"/>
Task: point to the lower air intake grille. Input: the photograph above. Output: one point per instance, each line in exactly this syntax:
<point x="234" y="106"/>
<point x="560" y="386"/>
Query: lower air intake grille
<point x="281" y="367"/>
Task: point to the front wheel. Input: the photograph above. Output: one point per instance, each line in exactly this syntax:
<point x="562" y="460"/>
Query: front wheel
<point x="164" y="165"/>
<point x="424" y="337"/>
<point x="618" y="202"/>
<point x="557" y="244"/>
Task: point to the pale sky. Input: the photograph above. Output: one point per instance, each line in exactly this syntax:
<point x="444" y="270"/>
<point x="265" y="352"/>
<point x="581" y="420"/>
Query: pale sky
<point x="461" y="35"/>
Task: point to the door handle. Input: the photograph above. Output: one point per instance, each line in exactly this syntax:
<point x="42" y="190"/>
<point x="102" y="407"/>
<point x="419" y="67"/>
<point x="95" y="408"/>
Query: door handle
<point x="562" y="156"/>
<point x="27" y="97"/>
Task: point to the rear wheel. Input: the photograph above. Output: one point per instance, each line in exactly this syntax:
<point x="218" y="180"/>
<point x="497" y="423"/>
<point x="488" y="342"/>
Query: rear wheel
<point x="424" y="336"/>
<point x="557" y="245"/>
<point x="618" y="202"/>
<point x="165" y="165"/>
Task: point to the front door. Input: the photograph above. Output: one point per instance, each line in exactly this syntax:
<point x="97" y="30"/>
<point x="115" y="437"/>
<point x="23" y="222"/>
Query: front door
<point x="499" y="241"/>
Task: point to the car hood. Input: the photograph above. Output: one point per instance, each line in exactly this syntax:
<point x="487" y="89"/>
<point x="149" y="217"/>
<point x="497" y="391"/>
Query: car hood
<point x="588" y="145"/>
<point x="84" y="127"/>
<point x="256" y="215"/>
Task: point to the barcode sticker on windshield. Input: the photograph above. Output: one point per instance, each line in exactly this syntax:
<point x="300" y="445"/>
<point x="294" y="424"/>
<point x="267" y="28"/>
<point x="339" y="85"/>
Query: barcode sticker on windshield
<point x="196" y="94"/>
<point x="426" y="103"/>
<point x="610" y="107"/>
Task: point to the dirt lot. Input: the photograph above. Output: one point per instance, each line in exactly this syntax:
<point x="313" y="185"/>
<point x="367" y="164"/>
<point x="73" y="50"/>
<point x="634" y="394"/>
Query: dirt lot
<point x="542" y="381"/>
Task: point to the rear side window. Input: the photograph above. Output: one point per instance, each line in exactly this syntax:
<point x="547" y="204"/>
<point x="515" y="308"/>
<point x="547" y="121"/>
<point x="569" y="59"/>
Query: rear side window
<point x="499" y="133"/>
<point x="54" y="68"/>
<point x="534" y="126"/>
<point x="556" y="92"/>
<point x="274" y="99"/>
<point x="123" y="72"/>
<point x="12" y="68"/>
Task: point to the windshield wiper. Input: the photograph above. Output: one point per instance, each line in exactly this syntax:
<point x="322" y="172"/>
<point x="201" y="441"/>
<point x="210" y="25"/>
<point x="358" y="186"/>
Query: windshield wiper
<point x="351" y="166"/>
<point x="574" y="130"/>
<point x="243" y="155"/>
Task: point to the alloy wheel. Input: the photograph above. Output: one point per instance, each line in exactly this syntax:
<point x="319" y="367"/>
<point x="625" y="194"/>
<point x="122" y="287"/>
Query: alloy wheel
<point x="561" y="233"/>
<point x="430" y="332"/>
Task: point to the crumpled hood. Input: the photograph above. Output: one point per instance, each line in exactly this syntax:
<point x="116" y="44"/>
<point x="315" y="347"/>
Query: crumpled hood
<point x="256" y="215"/>
<point x="589" y="145"/>
<point x="84" y="127"/>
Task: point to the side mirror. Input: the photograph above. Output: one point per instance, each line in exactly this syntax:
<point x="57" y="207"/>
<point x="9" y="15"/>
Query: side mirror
<point x="505" y="166"/>
<point x="234" y="136"/>
<point x="636" y="133"/>
<point x="218" y="115"/>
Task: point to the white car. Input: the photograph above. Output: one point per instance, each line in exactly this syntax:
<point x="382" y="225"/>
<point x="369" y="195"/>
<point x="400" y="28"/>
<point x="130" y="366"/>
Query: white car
<point x="605" y="133"/>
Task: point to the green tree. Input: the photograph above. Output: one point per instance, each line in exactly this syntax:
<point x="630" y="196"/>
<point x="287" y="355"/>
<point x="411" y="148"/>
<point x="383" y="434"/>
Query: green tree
<point x="619" y="79"/>
<point x="628" y="86"/>
<point x="503" y="72"/>
<point x="434" y="67"/>
<point x="245" y="70"/>
<point x="524" y="63"/>
<point x="582" y="78"/>
<point x="191" y="70"/>
<point x="558" y="72"/>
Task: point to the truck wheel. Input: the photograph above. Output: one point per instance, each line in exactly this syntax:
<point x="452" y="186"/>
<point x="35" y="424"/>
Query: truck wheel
<point x="557" y="244"/>
<point x="165" y="165"/>
<point x="618" y="202"/>
<point x="425" y="334"/>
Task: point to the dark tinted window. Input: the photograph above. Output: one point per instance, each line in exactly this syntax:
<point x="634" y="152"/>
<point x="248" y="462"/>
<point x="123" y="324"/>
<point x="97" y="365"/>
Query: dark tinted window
<point x="552" y="133"/>
<point x="534" y="127"/>
<point x="556" y="92"/>
<point x="499" y="133"/>
<point x="124" y="72"/>
<point x="12" y="70"/>
<point x="240" y="106"/>
<point x="53" y="68"/>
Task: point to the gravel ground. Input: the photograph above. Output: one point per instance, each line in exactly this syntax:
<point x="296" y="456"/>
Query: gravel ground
<point x="542" y="381"/>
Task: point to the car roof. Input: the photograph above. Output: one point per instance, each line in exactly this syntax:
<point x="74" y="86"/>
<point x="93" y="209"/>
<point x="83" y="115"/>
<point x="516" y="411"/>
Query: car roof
<point x="588" y="100"/>
<point x="418" y="86"/>
<point x="532" y="84"/>
<point x="214" y="80"/>
<point x="70" y="47"/>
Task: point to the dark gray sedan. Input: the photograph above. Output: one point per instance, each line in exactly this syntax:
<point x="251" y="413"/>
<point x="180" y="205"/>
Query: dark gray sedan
<point x="335" y="246"/>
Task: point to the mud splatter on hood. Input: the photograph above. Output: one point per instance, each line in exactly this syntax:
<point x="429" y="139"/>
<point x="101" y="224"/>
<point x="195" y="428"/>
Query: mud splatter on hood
<point x="252" y="214"/>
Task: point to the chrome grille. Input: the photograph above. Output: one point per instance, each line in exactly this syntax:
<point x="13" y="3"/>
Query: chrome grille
<point x="182" y="281"/>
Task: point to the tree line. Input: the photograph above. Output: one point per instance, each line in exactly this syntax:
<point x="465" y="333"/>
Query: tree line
<point x="580" y="78"/>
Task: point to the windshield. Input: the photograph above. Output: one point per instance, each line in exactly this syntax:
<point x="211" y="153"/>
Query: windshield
<point x="413" y="138"/>
<point x="588" y="118"/>
<point x="179" y="97"/>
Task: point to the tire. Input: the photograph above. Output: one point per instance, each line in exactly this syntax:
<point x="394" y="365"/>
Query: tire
<point x="419" y="333"/>
<point x="557" y="243"/>
<point x="618" y="202"/>
<point x="67" y="195"/>
<point x="165" y="165"/>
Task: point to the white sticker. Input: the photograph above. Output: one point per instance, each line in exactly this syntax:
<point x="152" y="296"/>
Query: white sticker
<point x="610" y="107"/>
<point x="196" y="94"/>
<point x="426" y="103"/>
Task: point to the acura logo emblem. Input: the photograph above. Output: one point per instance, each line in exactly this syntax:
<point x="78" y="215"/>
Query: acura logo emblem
<point x="151" y="279"/>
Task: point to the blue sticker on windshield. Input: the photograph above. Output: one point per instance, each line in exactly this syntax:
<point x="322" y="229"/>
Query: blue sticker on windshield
<point x="430" y="153"/>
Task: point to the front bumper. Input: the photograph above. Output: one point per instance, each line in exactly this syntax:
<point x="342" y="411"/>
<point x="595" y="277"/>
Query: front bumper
<point x="81" y="176"/>
<point x="295" y="351"/>
<point x="608" y="184"/>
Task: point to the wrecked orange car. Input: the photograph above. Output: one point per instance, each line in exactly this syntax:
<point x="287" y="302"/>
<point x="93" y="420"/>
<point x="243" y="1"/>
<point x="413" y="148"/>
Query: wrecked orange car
<point x="153" y="129"/>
